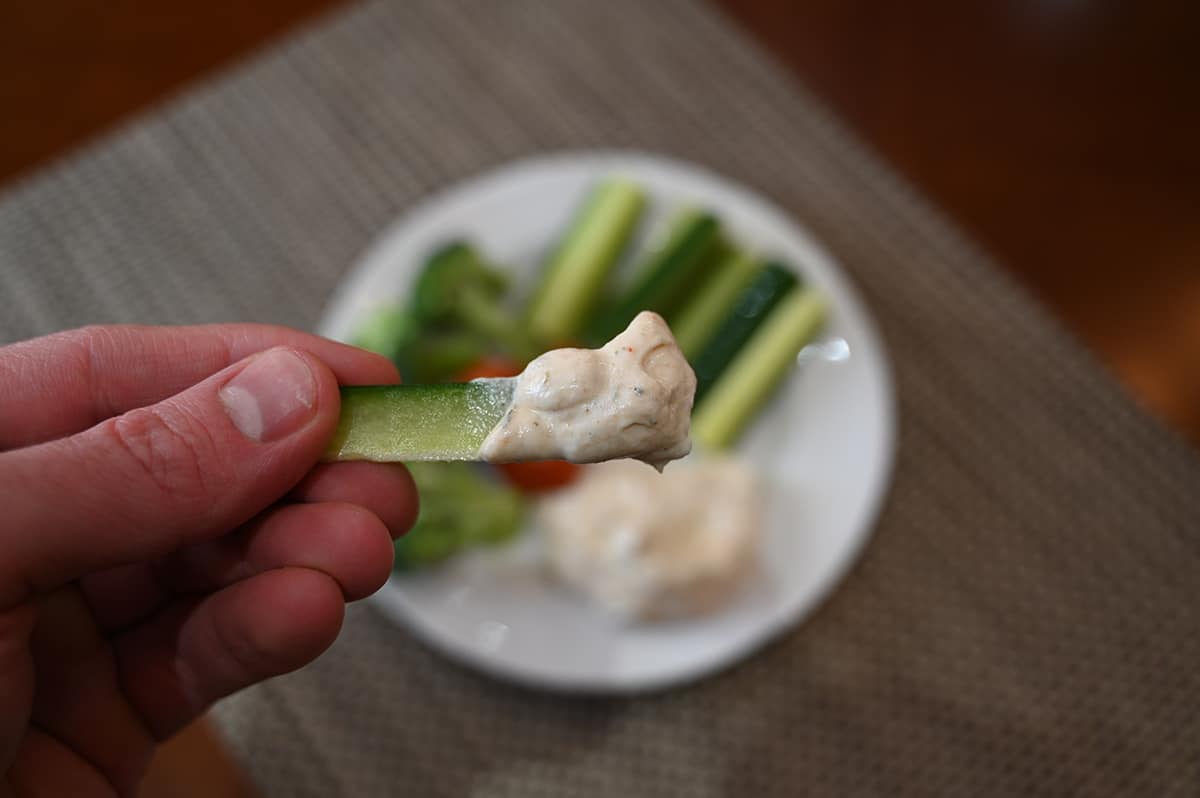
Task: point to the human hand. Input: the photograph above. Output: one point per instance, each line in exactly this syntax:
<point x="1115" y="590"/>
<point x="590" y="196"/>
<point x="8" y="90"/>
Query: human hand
<point x="165" y="538"/>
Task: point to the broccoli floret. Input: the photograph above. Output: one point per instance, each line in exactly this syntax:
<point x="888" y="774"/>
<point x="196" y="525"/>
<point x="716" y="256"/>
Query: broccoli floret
<point x="388" y="330"/>
<point x="460" y="509"/>
<point x="457" y="287"/>
<point x="439" y="356"/>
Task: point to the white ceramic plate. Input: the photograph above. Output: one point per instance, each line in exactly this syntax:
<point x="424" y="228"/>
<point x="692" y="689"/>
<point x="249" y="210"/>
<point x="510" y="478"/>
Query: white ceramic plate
<point x="825" y="444"/>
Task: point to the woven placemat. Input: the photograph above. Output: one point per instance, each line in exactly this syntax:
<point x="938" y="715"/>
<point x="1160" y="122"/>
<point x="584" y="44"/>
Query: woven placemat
<point x="1026" y="620"/>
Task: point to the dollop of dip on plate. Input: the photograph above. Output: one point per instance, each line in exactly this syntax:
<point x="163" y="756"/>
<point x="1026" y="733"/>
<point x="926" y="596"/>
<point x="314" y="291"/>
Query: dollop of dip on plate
<point x="649" y="546"/>
<point x="630" y="398"/>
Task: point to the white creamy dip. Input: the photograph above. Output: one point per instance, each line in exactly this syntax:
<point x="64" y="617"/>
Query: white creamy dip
<point x="631" y="398"/>
<point x="652" y="546"/>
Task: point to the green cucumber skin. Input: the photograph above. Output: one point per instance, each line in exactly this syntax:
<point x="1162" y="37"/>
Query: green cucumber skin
<point x="575" y="273"/>
<point x="664" y="279"/>
<point x="752" y="307"/>
<point x="694" y="325"/>
<point x="393" y="423"/>
<point x="758" y="369"/>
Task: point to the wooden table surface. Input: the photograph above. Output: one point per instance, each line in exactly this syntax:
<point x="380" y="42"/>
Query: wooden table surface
<point x="1062" y="134"/>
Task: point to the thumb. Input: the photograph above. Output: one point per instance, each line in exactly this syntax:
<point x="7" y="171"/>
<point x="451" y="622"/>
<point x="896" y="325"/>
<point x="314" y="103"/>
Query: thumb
<point x="143" y="483"/>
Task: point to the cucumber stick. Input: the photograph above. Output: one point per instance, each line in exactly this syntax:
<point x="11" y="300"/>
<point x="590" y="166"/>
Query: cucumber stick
<point x="755" y="302"/>
<point x="575" y="273"/>
<point x="696" y="322"/>
<point x="758" y="369"/>
<point x="664" y="279"/>
<point x="390" y="423"/>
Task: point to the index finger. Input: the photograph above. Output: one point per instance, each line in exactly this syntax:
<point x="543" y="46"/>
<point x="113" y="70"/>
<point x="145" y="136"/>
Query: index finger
<point x="64" y="383"/>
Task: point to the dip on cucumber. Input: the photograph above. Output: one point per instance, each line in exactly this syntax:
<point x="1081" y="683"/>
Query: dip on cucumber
<point x="630" y="398"/>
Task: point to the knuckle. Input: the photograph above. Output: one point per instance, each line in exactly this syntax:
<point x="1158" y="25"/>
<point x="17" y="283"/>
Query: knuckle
<point x="173" y="453"/>
<point x="84" y="347"/>
<point x="90" y="334"/>
<point x="92" y="339"/>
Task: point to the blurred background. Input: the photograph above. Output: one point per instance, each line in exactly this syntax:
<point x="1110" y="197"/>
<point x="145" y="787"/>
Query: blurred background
<point x="1061" y="133"/>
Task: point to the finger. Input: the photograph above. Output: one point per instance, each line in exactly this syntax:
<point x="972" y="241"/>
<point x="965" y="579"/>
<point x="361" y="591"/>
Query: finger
<point x="16" y="679"/>
<point x="386" y="489"/>
<point x="78" y="694"/>
<point x="156" y="478"/>
<point x="346" y="542"/>
<point x="64" y="383"/>
<point x="193" y="653"/>
<point x="47" y="768"/>
<point x="122" y="596"/>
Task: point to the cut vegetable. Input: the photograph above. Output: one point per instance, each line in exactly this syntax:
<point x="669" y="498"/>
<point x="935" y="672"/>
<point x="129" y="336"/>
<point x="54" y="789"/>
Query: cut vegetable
<point x="386" y="331"/>
<point x="663" y="280"/>
<point x="460" y="509"/>
<point x="489" y="368"/>
<point x="390" y="423"/>
<point x="759" y="367"/>
<point x="763" y="293"/>
<point x="575" y="273"/>
<point x="542" y="476"/>
<point x="632" y="398"/>
<point x="437" y="356"/>
<point x="695" y="323"/>
<point x="457" y="287"/>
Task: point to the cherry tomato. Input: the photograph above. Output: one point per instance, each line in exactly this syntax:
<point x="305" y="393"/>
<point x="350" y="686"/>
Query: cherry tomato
<point x="491" y="366"/>
<point x="540" y="477"/>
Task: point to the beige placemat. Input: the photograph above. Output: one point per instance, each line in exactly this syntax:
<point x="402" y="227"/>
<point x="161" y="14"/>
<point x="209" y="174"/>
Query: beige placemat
<point x="1026" y="620"/>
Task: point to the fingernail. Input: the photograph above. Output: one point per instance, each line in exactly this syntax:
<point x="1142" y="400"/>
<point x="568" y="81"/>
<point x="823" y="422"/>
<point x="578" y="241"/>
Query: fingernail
<point x="272" y="397"/>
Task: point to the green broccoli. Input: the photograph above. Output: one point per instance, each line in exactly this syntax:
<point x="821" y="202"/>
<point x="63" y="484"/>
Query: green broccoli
<point x="460" y="509"/>
<point x="387" y="330"/>
<point x="457" y="288"/>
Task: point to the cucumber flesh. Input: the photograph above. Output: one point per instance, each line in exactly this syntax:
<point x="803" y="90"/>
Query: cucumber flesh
<point x="696" y="322"/>
<point x="761" y="365"/>
<point x="576" y="272"/>
<point x="391" y="423"/>
<point x="663" y="280"/>
<point x="752" y="307"/>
